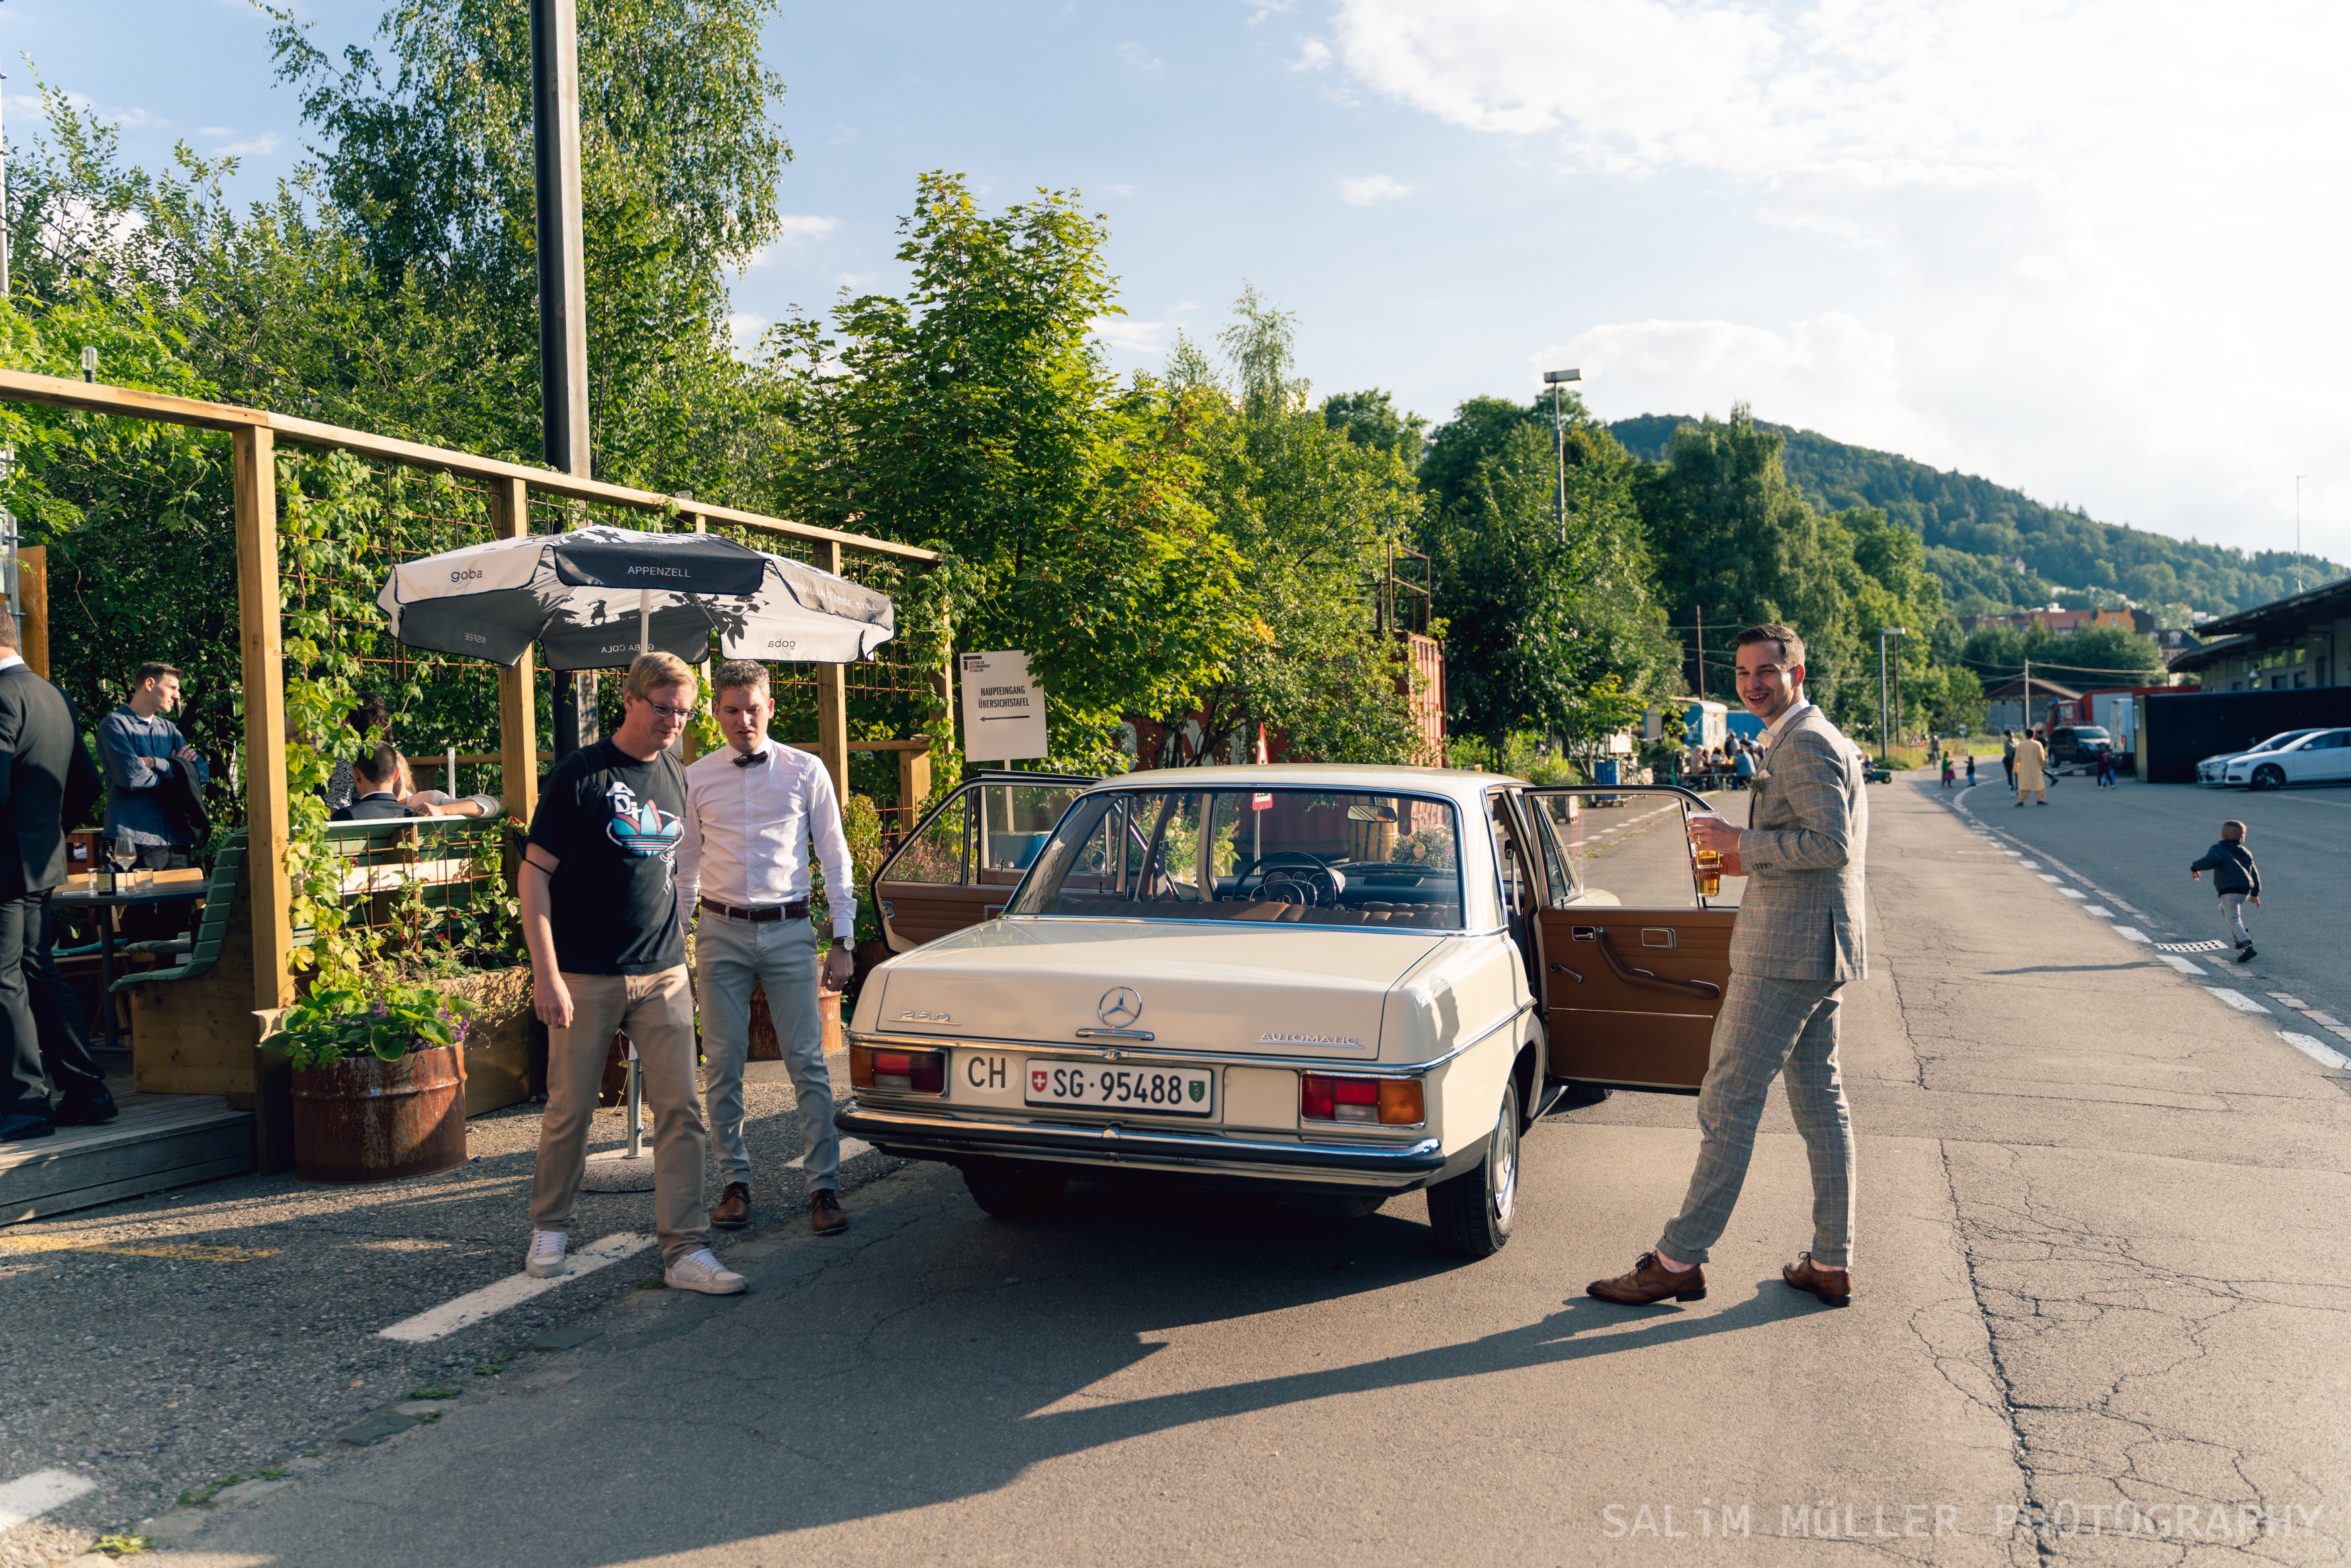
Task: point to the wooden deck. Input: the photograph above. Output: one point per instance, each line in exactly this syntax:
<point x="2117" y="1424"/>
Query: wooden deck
<point x="159" y="1142"/>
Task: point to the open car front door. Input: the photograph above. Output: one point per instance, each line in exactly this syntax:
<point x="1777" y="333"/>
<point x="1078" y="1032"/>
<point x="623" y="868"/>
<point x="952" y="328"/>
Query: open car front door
<point x="962" y="860"/>
<point x="1634" y="960"/>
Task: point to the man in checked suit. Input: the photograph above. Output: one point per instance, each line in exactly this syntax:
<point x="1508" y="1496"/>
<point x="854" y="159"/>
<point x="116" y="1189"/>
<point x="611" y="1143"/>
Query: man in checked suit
<point x="1797" y="942"/>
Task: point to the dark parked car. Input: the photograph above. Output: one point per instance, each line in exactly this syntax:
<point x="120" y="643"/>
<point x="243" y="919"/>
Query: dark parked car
<point x="2076" y="748"/>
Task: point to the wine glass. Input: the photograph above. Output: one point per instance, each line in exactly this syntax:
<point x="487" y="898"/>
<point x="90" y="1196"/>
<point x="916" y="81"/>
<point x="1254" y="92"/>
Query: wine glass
<point x="124" y="853"/>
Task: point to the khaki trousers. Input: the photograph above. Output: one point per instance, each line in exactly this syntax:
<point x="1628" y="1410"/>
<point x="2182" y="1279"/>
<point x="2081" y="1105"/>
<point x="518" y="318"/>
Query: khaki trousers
<point x="656" y="1013"/>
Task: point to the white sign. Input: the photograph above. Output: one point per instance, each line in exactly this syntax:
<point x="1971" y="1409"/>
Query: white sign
<point x="1003" y="713"/>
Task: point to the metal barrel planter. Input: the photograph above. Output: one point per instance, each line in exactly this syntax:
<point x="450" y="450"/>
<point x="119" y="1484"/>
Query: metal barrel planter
<point x="365" y="1119"/>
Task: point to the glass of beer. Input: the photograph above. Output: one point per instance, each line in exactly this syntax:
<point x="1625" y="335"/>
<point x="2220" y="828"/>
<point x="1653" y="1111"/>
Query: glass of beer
<point x="1710" y="873"/>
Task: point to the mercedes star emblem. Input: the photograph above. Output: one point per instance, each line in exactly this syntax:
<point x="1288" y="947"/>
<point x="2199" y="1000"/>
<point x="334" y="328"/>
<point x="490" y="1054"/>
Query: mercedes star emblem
<point x="1120" y="1006"/>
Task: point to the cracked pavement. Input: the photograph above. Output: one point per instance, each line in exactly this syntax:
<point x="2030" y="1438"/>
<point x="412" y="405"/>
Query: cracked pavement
<point x="2098" y="1317"/>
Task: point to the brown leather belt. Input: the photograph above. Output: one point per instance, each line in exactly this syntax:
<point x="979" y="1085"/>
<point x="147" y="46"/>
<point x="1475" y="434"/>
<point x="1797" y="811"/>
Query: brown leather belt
<point x="795" y="911"/>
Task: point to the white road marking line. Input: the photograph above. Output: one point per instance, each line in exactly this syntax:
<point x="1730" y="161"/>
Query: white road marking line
<point x="2046" y="877"/>
<point x="2238" y="1000"/>
<point x="513" y="1291"/>
<point x="2094" y="909"/>
<point x="2181" y="964"/>
<point x="2324" y="1055"/>
<point x="2293" y="1002"/>
<point x="2032" y="866"/>
<point x="851" y="1148"/>
<point x="2073" y="893"/>
<point x="2130" y="933"/>
<point x="29" y="1497"/>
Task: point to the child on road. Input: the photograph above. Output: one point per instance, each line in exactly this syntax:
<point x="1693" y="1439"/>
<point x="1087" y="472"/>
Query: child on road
<point x="2236" y="878"/>
<point x="1972" y="770"/>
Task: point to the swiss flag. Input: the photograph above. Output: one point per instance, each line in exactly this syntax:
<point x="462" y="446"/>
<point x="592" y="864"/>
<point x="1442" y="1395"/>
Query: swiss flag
<point x="1037" y="1080"/>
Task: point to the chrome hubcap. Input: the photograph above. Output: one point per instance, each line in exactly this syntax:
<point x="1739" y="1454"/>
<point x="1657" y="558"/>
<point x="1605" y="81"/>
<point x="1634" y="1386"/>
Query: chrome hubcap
<point x="1505" y="1163"/>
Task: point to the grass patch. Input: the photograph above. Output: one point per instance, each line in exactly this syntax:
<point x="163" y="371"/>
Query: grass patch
<point x="434" y="1392"/>
<point x="492" y="1365"/>
<point x="121" y="1545"/>
<point x="209" y="1491"/>
<point x="655" y="1283"/>
<point x="428" y="1416"/>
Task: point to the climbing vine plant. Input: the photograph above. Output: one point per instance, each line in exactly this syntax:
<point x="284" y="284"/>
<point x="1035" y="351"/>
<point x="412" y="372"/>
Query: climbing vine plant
<point x="342" y="524"/>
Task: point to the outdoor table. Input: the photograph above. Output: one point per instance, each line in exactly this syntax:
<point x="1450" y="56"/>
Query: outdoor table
<point x="170" y="887"/>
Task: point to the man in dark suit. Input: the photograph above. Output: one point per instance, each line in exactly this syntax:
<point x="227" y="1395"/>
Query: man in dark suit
<point x="42" y="766"/>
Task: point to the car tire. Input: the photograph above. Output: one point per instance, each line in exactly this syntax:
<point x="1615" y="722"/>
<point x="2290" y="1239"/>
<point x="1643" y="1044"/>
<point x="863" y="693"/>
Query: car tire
<point x="2268" y="776"/>
<point x="1014" y="1195"/>
<point x="1472" y="1213"/>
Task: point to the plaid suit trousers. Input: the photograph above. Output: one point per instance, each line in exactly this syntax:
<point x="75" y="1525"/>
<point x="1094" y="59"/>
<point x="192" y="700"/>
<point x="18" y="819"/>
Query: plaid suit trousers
<point x="1767" y="1025"/>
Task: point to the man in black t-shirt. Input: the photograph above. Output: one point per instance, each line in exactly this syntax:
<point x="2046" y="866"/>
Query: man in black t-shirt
<point x="607" y="953"/>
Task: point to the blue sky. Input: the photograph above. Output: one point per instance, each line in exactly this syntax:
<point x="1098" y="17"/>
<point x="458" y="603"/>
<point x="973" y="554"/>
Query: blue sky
<point x="2085" y="247"/>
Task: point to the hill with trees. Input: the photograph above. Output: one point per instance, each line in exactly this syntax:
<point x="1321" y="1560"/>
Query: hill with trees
<point x="1999" y="549"/>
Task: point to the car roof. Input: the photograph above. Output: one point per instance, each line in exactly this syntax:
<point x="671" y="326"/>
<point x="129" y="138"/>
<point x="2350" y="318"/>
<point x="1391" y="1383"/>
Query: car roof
<point x="1458" y="784"/>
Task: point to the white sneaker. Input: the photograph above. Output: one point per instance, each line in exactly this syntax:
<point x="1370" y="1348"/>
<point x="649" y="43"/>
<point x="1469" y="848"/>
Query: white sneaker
<point x="701" y="1271"/>
<point x="544" y="1260"/>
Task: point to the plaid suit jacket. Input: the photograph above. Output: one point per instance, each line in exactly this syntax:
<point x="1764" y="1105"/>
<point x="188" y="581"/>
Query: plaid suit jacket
<point x="1808" y="827"/>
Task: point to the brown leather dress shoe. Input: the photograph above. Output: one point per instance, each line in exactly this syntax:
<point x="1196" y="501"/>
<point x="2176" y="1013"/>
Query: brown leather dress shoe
<point x="1833" y="1286"/>
<point x="824" y="1212"/>
<point x="734" y="1210"/>
<point x="1651" y="1281"/>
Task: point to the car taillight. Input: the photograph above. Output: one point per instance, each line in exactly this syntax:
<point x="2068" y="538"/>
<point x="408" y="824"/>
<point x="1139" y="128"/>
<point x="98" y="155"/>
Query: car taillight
<point x="909" y="1072"/>
<point x="1390" y="1101"/>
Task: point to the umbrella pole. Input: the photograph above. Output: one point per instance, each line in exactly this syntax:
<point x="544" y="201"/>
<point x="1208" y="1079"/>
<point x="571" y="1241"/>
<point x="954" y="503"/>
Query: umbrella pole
<point x="645" y="620"/>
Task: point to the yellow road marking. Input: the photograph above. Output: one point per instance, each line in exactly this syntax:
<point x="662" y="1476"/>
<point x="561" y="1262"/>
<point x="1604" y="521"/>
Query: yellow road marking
<point x="185" y="1251"/>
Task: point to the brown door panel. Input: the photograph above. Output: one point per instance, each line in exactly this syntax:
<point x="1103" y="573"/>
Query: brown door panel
<point x="1643" y="1050"/>
<point x="1701" y="952"/>
<point x="1609" y="1024"/>
<point x="926" y="911"/>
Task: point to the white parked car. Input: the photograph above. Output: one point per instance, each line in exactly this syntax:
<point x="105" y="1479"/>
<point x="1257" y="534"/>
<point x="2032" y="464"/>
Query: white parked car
<point x="1338" y="984"/>
<point x="2321" y="756"/>
<point x="2214" y="770"/>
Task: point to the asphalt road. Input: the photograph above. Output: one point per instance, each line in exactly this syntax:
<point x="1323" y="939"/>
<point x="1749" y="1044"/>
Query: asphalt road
<point x="2135" y="841"/>
<point x="2102" y="1284"/>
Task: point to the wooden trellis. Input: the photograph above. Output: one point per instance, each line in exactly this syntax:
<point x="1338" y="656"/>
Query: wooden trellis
<point x="513" y="490"/>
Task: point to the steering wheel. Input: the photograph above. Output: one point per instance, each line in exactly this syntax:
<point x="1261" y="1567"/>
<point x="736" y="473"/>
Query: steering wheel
<point x="1293" y="877"/>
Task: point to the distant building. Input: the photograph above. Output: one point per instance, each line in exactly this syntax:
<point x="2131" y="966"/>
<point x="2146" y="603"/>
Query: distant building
<point x="2283" y="646"/>
<point x="2064" y="622"/>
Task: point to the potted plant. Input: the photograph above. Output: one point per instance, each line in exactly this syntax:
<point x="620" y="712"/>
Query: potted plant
<point x="379" y="1086"/>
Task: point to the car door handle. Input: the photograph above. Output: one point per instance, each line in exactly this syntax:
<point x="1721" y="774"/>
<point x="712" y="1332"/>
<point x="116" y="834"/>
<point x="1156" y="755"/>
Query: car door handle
<point x="1642" y="977"/>
<point x="1563" y="969"/>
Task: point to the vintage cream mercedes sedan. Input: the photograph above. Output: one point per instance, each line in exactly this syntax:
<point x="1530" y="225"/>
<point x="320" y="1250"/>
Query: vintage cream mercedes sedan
<point x="1340" y="983"/>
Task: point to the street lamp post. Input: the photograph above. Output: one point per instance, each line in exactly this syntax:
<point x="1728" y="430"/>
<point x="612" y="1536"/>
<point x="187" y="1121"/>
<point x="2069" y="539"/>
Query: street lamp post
<point x="1884" y="717"/>
<point x="1555" y="379"/>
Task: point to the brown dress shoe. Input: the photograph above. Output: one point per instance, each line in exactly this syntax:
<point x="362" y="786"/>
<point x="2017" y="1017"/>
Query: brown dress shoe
<point x="734" y="1210"/>
<point x="824" y="1212"/>
<point x="1833" y="1286"/>
<point x="1651" y="1281"/>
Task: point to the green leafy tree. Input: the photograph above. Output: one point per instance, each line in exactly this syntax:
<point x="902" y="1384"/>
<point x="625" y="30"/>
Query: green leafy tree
<point x="1312" y="514"/>
<point x="1371" y="419"/>
<point x="1550" y="627"/>
<point x="977" y="413"/>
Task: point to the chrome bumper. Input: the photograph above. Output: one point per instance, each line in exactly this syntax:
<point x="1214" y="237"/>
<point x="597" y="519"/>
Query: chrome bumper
<point x="916" y="1135"/>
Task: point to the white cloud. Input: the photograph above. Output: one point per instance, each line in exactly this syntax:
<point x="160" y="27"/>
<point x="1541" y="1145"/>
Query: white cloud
<point x="804" y="228"/>
<point x="1370" y="190"/>
<point x="744" y="328"/>
<point x="1314" y="55"/>
<point x="2089" y="234"/>
<point x="1140" y="58"/>
<point x="1131" y="336"/>
<point x="260" y="145"/>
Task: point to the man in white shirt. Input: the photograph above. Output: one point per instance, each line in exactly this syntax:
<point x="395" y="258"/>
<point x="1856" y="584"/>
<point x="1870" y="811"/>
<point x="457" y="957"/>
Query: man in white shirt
<point x="752" y="812"/>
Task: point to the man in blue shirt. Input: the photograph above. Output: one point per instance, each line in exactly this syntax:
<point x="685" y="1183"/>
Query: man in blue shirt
<point x="138" y="749"/>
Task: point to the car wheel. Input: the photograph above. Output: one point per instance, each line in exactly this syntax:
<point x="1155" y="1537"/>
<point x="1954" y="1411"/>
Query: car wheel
<point x="2268" y="776"/>
<point x="1472" y="1213"/>
<point x="1014" y="1195"/>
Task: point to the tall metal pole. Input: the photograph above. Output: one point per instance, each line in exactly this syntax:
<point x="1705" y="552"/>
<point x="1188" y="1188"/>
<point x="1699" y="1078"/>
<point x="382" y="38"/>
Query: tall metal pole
<point x="1555" y="380"/>
<point x="2028" y="696"/>
<point x="1700" y="612"/>
<point x="3" y="234"/>
<point x="562" y="294"/>
<point x="1881" y="694"/>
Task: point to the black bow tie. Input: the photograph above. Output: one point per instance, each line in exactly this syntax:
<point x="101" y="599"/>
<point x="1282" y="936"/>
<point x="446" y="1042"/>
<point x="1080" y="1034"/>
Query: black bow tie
<point x="758" y="756"/>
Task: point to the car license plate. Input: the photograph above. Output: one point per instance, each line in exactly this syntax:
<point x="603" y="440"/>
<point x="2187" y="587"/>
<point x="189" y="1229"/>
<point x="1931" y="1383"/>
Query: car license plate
<point x="1167" y="1091"/>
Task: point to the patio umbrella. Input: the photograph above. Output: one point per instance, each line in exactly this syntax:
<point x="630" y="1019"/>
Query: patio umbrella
<point x="596" y="597"/>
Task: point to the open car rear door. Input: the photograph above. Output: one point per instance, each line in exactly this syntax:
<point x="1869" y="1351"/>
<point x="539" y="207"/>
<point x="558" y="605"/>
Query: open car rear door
<point x="962" y="860"/>
<point x="1635" y="960"/>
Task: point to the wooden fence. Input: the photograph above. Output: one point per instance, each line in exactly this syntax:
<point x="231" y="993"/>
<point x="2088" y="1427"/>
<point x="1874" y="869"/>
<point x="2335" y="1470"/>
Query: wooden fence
<point x="254" y="434"/>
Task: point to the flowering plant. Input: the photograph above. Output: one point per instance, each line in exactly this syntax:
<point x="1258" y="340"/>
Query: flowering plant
<point x="388" y="1018"/>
